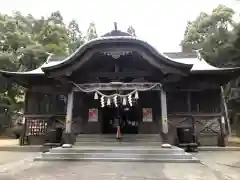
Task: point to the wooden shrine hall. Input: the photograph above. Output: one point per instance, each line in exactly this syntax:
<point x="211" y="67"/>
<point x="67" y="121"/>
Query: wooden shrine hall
<point x="119" y="82"/>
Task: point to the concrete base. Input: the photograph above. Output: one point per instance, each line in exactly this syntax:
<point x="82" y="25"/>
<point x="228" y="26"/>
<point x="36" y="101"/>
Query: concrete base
<point x="115" y="152"/>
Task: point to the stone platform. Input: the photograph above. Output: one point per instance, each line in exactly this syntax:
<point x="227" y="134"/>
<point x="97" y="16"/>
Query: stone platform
<point x="132" y="148"/>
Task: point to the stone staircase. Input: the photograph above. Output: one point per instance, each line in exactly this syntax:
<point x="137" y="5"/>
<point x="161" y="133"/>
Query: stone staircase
<point x="131" y="148"/>
<point x="128" y="139"/>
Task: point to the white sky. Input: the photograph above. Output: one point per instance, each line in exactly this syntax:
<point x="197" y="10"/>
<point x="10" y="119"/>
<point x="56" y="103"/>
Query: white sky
<point x="160" y="22"/>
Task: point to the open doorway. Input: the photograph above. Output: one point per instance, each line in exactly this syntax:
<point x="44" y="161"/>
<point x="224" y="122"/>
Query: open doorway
<point x="130" y="120"/>
<point x="109" y="114"/>
<point x="127" y="117"/>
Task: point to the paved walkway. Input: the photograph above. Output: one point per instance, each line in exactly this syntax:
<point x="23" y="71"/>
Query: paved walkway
<point x="216" y="166"/>
<point x="9" y="142"/>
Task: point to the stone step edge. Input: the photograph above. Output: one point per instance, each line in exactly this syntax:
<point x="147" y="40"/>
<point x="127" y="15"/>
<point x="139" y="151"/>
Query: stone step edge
<point x="115" y="140"/>
<point x="120" y="142"/>
<point x="114" y="135"/>
<point x="116" y="150"/>
<point x="66" y="153"/>
<point x="125" y="148"/>
<point x="192" y="160"/>
<point x="117" y="145"/>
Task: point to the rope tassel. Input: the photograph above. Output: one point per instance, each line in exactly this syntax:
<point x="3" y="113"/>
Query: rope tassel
<point x="124" y="101"/>
<point x="108" y="102"/>
<point x="96" y="95"/>
<point x="136" y="95"/>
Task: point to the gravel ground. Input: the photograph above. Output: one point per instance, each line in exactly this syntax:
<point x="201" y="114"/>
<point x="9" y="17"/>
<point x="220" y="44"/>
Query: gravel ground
<point x="215" y="166"/>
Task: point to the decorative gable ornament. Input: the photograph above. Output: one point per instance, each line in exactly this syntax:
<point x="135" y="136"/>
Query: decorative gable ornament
<point x="117" y="54"/>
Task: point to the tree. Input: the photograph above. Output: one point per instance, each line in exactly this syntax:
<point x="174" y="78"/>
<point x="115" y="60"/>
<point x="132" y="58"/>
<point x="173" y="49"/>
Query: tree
<point x="54" y="35"/>
<point x="18" y="52"/>
<point x="131" y="31"/>
<point x="56" y="18"/>
<point x="25" y="42"/>
<point x="212" y="33"/>
<point x="91" y="32"/>
<point x="75" y="35"/>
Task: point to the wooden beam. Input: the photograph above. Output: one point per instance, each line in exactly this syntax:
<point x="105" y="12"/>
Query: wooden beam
<point x="112" y="86"/>
<point x="119" y="74"/>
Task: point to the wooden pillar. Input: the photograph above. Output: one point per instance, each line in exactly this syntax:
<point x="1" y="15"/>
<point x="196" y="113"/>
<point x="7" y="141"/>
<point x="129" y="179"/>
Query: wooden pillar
<point x="189" y="105"/>
<point x="68" y="128"/>
<point x="224" y="120"/>
<point x="164" y="119"/>
<point x="224" y="110"/>
<point x="68" y="123"/>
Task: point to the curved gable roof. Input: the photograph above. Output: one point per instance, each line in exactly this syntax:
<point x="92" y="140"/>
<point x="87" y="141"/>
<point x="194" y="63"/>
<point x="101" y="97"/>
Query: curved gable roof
<point x="108" y="40"/>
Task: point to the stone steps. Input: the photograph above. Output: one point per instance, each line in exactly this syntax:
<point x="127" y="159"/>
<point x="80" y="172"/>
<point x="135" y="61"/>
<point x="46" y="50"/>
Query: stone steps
<point x="112" y="138"/>
<point x="115" y="143"/>
<point x="120" y="149"/>
<point x="115" y="155"/>
<point x="114" y="135"/>
<point x="132" y="148"/>
<point x="116" y="140"/>
<point x="193" y="160"/>
<point x="118" y="155"/>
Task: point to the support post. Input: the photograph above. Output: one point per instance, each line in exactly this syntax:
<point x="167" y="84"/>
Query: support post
<point x="164" y="120"/>
<point x="68" y="141"/>
<point x="224" y="109"/>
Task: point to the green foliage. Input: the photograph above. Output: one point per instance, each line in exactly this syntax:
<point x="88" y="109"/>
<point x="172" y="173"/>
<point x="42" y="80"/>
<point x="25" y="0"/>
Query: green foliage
<point x="214" y="34"/>
<point x="25" y="42"/>
<point x="75" y="36"/>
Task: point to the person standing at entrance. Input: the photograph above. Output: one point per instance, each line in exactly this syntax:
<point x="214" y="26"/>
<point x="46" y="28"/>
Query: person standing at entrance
<point x="117" y="125"/>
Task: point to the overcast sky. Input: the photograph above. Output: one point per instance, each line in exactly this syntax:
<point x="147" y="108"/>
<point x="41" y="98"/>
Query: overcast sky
<point x="160" y="22"/>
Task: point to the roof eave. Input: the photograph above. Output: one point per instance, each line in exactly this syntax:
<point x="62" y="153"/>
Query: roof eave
<point x="118" y="39"/>
<point x="217" y="71"/>
<point x="21" y="78"/>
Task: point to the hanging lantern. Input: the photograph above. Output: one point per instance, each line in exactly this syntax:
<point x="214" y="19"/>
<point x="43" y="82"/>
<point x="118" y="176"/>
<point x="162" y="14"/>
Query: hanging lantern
<point x="96" y="95"/>
<point x="136" y="95"/>
<point x="124" y="101"/>
<point x="108" y="102"/>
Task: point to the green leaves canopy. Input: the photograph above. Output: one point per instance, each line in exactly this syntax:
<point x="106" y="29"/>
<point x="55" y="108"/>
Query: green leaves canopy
<point x="215" y="34"/>
<point x="26" y="40"/>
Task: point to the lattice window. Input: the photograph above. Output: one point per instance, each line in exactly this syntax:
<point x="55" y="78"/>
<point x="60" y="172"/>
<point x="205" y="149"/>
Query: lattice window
<point x="36" y="127"/>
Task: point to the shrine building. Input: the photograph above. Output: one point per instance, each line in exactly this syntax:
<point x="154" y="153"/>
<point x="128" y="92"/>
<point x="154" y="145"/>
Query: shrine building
<point x="120" y="77"/>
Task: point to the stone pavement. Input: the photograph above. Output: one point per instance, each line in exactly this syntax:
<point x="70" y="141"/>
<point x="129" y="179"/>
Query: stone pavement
<point x="216" y="166"/>
<point x="10" y="157"/>
<point x="8" y="142"/>
<point x="222" y="163"/>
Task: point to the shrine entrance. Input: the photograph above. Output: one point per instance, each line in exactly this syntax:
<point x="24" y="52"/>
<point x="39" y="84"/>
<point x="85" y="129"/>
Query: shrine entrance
<point x="127" y="117"/>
